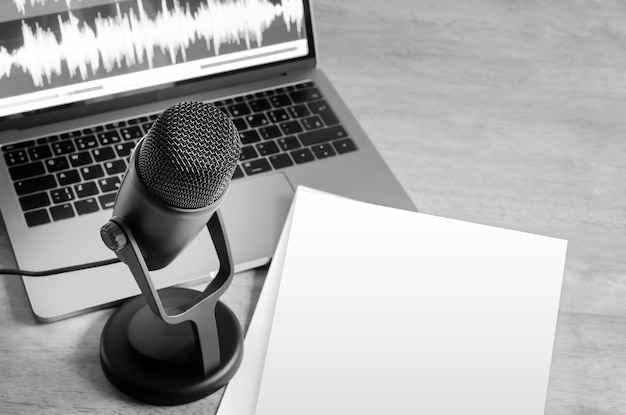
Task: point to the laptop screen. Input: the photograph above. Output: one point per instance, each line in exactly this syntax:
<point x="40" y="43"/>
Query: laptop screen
<point x="55" y="52"/>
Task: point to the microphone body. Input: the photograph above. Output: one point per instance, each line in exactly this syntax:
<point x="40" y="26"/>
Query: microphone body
<point x="176" y="179"/>
<point x="162" y="231"/>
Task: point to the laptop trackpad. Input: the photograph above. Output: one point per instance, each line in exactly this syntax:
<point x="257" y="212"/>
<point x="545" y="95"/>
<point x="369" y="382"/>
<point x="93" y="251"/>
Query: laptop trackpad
<point x="254" y="213"/>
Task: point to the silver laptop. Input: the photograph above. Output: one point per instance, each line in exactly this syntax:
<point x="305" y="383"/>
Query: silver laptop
<point x="79" y="86"/>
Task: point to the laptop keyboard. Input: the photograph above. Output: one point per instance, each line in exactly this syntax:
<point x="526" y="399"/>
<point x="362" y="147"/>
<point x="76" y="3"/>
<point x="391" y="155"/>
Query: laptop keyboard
<point x="78" y="172"/>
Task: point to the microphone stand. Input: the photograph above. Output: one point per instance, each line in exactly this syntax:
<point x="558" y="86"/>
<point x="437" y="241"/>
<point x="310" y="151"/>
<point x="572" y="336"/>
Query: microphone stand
<point x="175" y="345"/>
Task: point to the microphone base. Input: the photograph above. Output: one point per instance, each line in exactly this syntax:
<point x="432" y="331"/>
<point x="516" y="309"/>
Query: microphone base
<point x="166" y="378"/>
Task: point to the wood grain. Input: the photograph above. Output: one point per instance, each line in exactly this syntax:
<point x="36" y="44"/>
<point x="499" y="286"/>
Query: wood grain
<point x="506" y="113"/>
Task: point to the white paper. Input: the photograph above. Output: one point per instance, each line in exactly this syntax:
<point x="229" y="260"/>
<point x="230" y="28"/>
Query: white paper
<point x="387" y="311"/>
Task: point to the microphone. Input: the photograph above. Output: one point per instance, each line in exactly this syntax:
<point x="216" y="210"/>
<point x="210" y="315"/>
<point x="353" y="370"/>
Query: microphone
<point x="174" y="345"/>
<point x="177" y="179"/>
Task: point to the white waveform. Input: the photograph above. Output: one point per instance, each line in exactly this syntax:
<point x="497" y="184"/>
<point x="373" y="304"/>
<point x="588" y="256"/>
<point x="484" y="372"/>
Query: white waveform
<point x="21" y="4"/>
<point x="293" y="12"/>
<point x="132" y="38"/>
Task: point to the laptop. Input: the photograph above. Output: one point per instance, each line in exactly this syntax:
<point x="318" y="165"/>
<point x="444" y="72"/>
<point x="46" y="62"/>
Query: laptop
<point x="80" y="86"/>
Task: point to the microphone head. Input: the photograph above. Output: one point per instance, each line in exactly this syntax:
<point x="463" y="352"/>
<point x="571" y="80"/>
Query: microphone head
<point x="189" y="155"/>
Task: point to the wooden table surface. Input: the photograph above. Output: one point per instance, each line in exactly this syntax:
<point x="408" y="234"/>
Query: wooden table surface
<point x="507" y="113"/>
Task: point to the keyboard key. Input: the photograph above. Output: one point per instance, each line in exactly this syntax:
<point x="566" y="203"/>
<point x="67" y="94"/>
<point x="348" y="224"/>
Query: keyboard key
<point x="302" y="155"/>
<point x="344" y="146"/>
<point x="304" y="85"/>
<point x="91" y="172"/>
<point x="269" y="132"/>
<point x="37" y="184"/>
<point x="114" y="125"/>
<point x="27" y="170"/>
<point x="68" y="177"/>
<point x="115" y="167"/>
<point x="86" y="206"/>
<point x="322" y="151"/>
<point x="247" y="153"/>
<point x="64" y="211"/>
<point x="259" y="105"/>
<point x="240" y="124"/>
<point x="280" y="161"/>
<point x="291" y="127"/>
<point x="131" y="133"/>
<point x="267" y="148"/>
<point x="57" y="164"/>
<point x="16" y="157"/>
<point x="124" y="149"/>
<point x="62" y="195"/>
<point x="281" y="100"/>
<point x="80" y="159"/>
<point x="107" y="201"/>
<point x="34" y="201"/>
<point x="86" y="143"/>
<point x="109" y="137"/>
<point x="277" y="116"/>
<point x="63" y="147"/>
<point x="305" y="95"/>
<point x="239" y="109"/>
<point x="238" y="173"/>
<point x="298" y="111"/>
<point x="70" y="134"/>
<point x="36" y="217"/>
<point x="146" y="126"/>
<point x="256" y="166"/>
<point x="92" y="130"/>
<point x="322" y="135"/>
<point x="103" y="154"/>
<point x="249" y="136"/>
<point x="322" y="109"/>
<point x="312" y="122"/>
<point x="257" y="120"/>
<point x="40" y="152"/>
<point x="288" y="143"/>
<point x="17" y="146"/>
<point x="86" y="189"/>
<point x="110" y="184"/>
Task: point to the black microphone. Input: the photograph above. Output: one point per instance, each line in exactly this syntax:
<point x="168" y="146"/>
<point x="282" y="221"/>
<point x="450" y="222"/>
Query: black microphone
<point x="177" y="178"/>
<point x="174" y="345"/>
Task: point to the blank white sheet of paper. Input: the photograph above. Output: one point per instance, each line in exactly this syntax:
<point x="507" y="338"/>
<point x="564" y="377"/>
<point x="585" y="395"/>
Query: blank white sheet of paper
<point x="387" y="311"/>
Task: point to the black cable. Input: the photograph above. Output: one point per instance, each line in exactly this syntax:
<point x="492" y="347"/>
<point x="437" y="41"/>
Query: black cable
<point x="9" y="271"/>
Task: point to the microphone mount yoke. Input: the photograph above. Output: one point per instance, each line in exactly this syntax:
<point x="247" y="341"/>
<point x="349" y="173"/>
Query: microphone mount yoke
<point x="174" y="345"/>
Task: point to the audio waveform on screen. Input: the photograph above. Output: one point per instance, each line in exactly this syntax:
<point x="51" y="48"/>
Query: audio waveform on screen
<point x="131" y="38"/>
<point x="21" y="4"/>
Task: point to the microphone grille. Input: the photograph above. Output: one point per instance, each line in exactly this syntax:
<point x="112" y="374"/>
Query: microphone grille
<point x="189" y="155"/>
